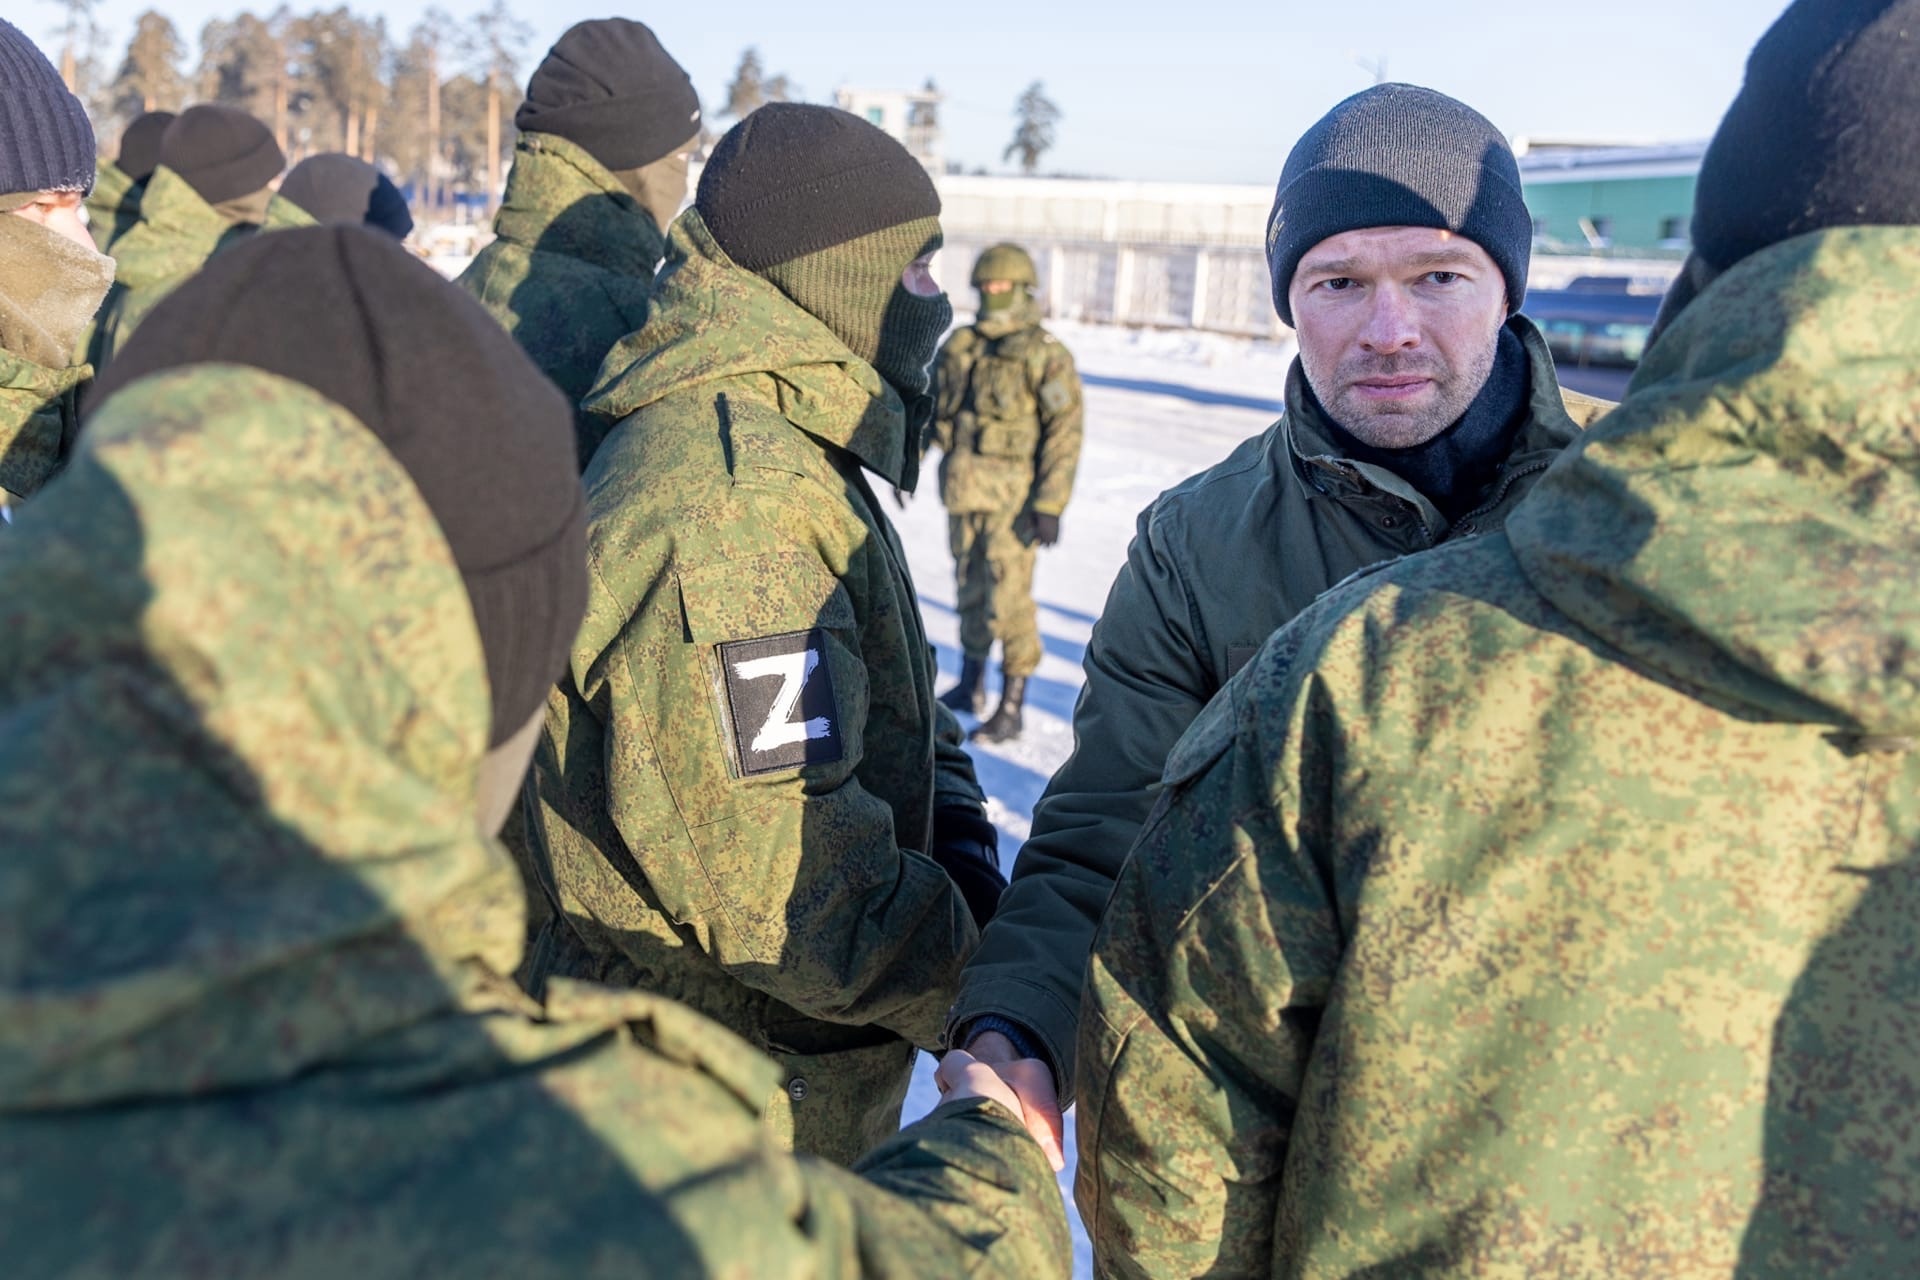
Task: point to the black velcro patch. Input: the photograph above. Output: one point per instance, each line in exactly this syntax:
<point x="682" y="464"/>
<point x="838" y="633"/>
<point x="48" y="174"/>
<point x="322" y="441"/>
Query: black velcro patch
<point x="780" y="697"/>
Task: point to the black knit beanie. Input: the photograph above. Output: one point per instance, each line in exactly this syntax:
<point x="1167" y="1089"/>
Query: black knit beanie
<point x="1397" y="155"/>
<point x="338" y="189"/>
<point x="793" y="179"/>
<point x="608" y="87"/>
<point x="140" y="144"/>
<point x="487" y="439"/>
<point x="1824" y="133"/>
<point x="223" y="153"/>
<point x="46" y="143"/>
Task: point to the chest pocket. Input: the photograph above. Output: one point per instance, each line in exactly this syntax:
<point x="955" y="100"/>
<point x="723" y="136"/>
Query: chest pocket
<point x="1004" y="404"/>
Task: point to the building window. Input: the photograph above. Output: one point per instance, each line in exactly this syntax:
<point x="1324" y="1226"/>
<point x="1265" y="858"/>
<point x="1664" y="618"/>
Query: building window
<point x="1539" y="228"/>
<point x="1673" y="231"/>
<point x="877" y="115"/>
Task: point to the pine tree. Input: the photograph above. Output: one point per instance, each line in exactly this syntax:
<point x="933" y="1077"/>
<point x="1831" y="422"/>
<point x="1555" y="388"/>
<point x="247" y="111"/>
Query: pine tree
<point x="1033" y="136"/>
<point x="150" y="78"/>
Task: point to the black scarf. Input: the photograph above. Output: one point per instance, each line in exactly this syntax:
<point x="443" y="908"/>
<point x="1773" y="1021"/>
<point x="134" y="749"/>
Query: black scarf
<point x="1454" y="468"/>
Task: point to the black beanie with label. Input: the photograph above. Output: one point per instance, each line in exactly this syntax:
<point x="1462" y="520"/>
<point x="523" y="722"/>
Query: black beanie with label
<point x="1398" y="155"/>
<point x="1825" y="131"/>
<point x="222" y="152"/>
<point x="487" y="439"/>
<point x="609" y="88"/>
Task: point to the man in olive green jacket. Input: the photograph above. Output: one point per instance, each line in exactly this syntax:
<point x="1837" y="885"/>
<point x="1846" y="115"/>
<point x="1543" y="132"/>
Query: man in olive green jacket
<point x="210" y="190"/>
<point x="256" y="924"/>
<point x="1544" y="905"/>
<point x="748" y="798"/>
<point x="599" y="172"/>
<point x="1421" y="410"/>
<point x="51" y="277"/>
<point x="1007" y="418"/>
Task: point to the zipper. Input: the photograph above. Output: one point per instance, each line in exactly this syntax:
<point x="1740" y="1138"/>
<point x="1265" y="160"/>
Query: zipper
<point x="1465" y="527"/>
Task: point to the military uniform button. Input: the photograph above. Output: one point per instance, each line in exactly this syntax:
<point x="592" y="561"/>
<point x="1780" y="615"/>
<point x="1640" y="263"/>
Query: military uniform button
<point x="797" y="1089"/>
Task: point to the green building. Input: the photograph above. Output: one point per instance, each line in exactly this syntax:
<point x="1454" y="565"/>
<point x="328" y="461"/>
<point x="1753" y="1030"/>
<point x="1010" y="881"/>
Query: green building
<point x="1626" y="202"/>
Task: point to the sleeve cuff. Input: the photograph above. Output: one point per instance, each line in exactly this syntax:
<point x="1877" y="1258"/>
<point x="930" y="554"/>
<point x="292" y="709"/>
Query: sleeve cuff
<point x="1024" y="1042"/>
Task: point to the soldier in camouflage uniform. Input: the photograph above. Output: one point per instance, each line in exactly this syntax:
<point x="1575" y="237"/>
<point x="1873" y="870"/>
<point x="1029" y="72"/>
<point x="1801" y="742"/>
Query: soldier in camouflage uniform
<point x="113" y="206"/>
<point x="598" y="173"/>
<point x="1543" y="905"/>
<point x="748" y="798"/>
<point x="210" y="190"/>
<point x="1399" y="221"/>
<point x="255" y="926"/>
<point x="1007" y="419"/>
<point x="51" y="277"/>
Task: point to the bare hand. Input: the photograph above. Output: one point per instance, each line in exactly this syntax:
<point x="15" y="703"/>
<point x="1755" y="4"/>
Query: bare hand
<point x="1032" y="1082"/>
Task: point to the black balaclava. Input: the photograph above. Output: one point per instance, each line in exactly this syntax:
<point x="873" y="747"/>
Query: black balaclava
<point x="487" y="439"/>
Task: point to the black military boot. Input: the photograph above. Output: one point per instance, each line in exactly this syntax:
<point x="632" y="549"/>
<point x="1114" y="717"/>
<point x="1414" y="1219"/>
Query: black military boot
<point x="1005" y="722"/>
<point x="971" y="693"/>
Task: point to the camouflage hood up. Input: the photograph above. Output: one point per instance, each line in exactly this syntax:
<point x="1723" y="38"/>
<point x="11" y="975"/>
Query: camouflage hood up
<point x="694" y="338"/>
<point x="1778" y="415"/>
<point x="178" y="800"/>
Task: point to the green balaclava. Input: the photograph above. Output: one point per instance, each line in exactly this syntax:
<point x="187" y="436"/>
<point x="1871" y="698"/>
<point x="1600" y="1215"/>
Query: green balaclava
<point x="855" y="289"/>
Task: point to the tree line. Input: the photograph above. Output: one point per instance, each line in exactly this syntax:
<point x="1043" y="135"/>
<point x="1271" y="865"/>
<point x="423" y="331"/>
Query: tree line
<point x="434" y="104"/>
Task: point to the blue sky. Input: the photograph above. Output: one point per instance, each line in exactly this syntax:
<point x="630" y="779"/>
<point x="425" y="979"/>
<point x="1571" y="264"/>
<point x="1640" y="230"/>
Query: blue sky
<point x="1203" y="91"/>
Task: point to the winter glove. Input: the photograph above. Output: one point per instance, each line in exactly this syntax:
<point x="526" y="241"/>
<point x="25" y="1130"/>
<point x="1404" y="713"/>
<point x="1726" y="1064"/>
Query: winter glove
<point x="967" y="849"/>
<point x="1046" y="528"/>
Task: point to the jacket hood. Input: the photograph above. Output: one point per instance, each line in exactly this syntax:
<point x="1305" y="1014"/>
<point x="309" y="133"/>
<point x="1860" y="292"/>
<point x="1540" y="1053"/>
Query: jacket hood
<point x="713" y="320"/>
<point x="1748" y="520"/>
<point x="177" y="232"/>
<point x="242" y="709"/>
<point x="561" y="200"/>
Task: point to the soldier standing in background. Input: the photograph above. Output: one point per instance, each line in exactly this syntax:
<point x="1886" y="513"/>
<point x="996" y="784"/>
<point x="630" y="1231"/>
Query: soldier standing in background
<point x="1008" y="422"/>
<point x="51" y="277"/>
<point x="600" y="170"/>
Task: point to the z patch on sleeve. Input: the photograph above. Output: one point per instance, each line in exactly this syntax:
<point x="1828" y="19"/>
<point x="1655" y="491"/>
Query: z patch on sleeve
<point x="780" y="701"/>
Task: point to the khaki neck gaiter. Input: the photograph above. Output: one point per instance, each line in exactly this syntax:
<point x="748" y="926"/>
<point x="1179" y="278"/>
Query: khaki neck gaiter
<point x="660" y="187"/>
<point x="854" y="289"/>
<point x="247" y="210"/>
<point x="50" y="288"/>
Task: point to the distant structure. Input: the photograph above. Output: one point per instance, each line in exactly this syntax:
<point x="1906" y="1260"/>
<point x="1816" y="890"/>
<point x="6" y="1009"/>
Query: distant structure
<point x="1608" y="200"/>
<point x="910" y="115"/>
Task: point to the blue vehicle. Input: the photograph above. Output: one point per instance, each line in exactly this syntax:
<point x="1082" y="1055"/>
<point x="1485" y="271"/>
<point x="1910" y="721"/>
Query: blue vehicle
<point x="1596" y="330"/>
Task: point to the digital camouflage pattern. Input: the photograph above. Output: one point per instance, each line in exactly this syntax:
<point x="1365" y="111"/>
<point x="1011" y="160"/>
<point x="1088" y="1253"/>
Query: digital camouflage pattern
<point x="1543" y="906"/>
<point x="38" y="423"/>
<point x="250" y="968"/>
<point x="176" y="234"/>
<point x="284" y="215"/>
<point x="1217" y="564"/>
<point x="571" y="270"/>
<point x="795" y="906"/>
<point x="113" y="206"/>
<point x="1008" y="418"/>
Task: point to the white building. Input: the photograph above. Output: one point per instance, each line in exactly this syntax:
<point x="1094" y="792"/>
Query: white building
<point x="910" y="115"/>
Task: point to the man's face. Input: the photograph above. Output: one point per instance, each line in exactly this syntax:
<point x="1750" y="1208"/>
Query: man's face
<point x="1397" y="329"/>
<point x="994" y="288"/>
<point x="58" y="212"/>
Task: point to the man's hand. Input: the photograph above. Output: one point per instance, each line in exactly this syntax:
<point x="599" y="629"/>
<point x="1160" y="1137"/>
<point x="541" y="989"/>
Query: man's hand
<point x="1030" y="1080"/>
<point x="1046" y="528"/>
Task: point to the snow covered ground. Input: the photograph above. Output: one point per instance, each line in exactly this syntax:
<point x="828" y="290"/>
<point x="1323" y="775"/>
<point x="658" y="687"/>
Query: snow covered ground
<point x="1160" y="406"/>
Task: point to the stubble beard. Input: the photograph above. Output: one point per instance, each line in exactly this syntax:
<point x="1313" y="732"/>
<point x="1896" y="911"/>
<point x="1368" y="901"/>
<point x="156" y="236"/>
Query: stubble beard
<point x="1402" y="426"/>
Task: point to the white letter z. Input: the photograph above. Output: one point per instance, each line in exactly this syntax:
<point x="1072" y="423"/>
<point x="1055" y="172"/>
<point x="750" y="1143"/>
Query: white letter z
<point x="795" y="669"/>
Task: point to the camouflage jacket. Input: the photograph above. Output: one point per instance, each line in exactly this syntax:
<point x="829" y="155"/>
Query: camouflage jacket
<point x="113" y="206"/>
<point x="1007" y="417"/>
<point x="739" y="779"/>
<point x="571" y="270"/>
<point x="1218" y="563"/>
<point x="250" y="966"/>
<point x="38" y="422"/>
<point x="1544" y="905"/>
<point x="176" y="234"/>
